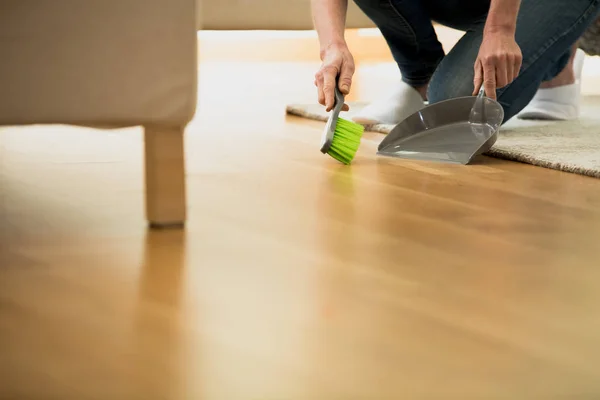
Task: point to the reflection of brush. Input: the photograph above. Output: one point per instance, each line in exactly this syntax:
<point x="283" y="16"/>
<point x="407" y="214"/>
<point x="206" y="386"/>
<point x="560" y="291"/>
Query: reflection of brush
<point x="341" y="137"/>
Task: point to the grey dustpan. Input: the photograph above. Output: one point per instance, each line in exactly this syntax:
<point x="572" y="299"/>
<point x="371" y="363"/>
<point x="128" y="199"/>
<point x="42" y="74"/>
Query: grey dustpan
<point x="446" y="132"/>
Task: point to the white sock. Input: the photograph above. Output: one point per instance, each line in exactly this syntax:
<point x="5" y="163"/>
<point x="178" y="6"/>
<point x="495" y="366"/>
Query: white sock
<point x="561" y="103"/>
<point x="402" y="102"/>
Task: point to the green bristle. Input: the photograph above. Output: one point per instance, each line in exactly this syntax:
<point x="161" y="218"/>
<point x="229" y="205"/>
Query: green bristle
<point x="345" y="140"/>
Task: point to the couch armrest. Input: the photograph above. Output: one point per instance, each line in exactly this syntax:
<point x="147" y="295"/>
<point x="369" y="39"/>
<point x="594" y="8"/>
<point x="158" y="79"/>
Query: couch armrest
<point x="98" y="62"/>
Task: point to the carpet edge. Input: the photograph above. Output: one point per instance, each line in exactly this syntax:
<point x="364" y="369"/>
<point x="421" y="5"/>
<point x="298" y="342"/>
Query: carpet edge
<point x="525" y="159"/>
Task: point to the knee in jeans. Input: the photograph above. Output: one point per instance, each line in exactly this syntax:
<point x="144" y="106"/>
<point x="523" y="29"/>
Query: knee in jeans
<point x="368" y="4"/>
<point x="449" y="87"/>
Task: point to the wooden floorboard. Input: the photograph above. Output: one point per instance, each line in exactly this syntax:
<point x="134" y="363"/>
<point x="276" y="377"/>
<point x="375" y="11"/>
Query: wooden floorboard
<point x="295" y="277"/>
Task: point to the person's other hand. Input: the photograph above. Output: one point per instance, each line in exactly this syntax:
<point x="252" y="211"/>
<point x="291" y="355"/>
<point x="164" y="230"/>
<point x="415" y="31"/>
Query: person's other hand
<point x="498" y="62"/>
<point x="336" y="60"/>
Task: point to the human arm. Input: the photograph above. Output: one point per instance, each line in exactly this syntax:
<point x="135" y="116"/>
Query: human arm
<point x="499" y="59"/>
<point x="329" y="18"/>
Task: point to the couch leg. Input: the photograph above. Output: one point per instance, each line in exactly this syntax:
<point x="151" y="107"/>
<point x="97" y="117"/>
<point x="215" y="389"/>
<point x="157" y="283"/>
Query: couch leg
<point x="165" y="177"/>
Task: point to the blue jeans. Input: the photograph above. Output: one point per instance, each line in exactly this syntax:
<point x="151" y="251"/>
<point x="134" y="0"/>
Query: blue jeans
<point x="546" y="32"/>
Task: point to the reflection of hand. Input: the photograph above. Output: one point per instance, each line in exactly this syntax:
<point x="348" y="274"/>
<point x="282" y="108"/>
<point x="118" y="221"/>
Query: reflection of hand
<point x="337" y="61"/>
<point x="498" y="62"/>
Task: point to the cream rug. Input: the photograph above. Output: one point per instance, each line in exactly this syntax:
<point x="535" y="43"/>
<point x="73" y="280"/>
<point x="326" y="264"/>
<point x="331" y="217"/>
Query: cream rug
<point x="571" y="146"/>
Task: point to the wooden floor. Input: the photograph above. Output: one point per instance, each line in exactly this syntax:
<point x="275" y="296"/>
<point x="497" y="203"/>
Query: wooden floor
<point x="296" y="278"/>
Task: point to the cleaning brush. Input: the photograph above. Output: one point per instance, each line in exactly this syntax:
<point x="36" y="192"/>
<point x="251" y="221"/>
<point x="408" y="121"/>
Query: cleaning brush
<point x="341" y="137"/>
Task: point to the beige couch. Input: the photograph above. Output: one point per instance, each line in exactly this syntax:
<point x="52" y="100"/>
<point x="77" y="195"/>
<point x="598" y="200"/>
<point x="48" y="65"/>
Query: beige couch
<point x="119" y="63"/>
<point x="107" y="64"/>
<point x="267" y="14"/>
